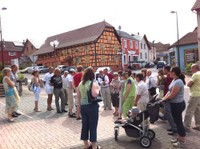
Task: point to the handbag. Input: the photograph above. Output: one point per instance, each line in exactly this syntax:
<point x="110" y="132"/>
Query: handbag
<point x="91" y="98"/>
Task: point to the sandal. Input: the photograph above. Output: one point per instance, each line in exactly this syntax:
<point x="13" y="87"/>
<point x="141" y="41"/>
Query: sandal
<point x="73" y="115"/>
<point x="11" y="119"/>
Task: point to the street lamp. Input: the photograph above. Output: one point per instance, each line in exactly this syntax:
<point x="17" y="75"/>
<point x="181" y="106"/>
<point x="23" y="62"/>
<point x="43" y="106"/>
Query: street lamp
<point x="55" y="44"/>
<point x="153" y="51"/>
<point x="178" y="54"/>
<point x="2" y="57"/>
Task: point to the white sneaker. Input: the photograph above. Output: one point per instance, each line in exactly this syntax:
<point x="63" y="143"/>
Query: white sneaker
<point x="174" y="140"/>
<point x="179" y="144"/>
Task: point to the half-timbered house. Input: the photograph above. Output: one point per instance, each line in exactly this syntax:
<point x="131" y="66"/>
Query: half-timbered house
<point x="94" y="45"/>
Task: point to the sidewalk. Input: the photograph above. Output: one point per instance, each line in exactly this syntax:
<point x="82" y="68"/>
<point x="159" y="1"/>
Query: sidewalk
<point x="49" y="130"/>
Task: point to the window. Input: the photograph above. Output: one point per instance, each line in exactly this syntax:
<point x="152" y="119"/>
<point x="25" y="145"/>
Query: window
<point x="136" y="45"/>
<point x="32" y="47"/>
<point x="144" y="46"/>
<point x="129" y="58"/>
<point x="12" y="53"/>
<point x="131" y="44"/>
<point x="140" y="55"/>
<point x="102" y="46"/>
<point x="145" y="55"/>
<point x="125" y="44"/>
<point x="141" y="45"/>
<point x="124" y="59"/>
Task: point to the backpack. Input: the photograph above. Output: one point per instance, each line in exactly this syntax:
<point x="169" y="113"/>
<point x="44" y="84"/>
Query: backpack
<point x="30" y="86"/>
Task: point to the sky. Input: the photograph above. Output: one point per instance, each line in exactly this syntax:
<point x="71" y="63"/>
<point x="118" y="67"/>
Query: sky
<point x="38" y="19"/>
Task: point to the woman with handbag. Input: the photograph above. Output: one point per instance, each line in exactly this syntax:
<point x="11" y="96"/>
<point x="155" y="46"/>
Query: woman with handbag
<point x="89" y="110"/>
<point x="9" y="94"/>
<point x="36" y="88"/>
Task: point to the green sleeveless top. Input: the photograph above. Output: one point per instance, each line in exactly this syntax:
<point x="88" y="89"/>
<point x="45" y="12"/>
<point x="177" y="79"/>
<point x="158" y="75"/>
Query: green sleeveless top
<point x="83" y="91"/>
<point x="132" y="91"/>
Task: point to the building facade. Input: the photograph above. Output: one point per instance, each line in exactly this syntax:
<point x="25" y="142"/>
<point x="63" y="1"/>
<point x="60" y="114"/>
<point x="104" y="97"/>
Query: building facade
<point x="130" y="49"/>
<point x="94" y="45"/>
<point x="188" y="51"/>
<point x="144" y="48"/>
<point x="11" y="51"/>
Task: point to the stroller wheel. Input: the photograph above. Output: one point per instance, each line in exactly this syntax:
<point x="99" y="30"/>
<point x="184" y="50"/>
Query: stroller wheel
<point x="145" y="142"/>
<point x="116" y="133"/>
<point x="150" y="134"/>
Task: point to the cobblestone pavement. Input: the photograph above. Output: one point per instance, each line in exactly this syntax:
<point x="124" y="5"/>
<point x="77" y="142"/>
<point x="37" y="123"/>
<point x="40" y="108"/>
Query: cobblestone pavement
<point x="49" y="130"/>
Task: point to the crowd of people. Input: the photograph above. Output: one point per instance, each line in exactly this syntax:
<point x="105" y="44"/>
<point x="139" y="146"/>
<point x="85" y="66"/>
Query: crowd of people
<point x="120" y="91"/>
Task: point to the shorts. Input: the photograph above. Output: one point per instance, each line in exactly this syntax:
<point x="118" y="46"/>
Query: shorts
<point x="115" y="99"/>
<point x="49" y="90"/>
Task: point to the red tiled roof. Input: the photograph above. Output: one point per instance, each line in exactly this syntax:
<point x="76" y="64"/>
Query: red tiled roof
<point x="189" y="38"/>
<point x="196" y="5"/>
<point x="82" y="35"/>
<point x="161" y="47"/>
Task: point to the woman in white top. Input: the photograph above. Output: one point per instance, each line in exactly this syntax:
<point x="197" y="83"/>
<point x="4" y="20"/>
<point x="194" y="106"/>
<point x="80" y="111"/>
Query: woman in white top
<point x="142" y="94"/>
<point x="36" y="88"/>
<point x="49" y="87"/>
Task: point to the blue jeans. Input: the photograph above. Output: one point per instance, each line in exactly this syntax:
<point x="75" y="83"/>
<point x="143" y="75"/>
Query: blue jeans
<point x="90" y="116"/>
<point x="168" y="115"/>
<point x="177" y="110"/>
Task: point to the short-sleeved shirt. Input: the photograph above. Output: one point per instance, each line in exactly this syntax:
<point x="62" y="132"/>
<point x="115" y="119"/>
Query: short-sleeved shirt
<point x="195" y="88"/>
<point x="142" y="90"/>
<point x="151" y="82"/>
<point x="56" y="81"/>
<point x="47" y="79"/>
<point x="77" y="78"/>
<point x="69" y="80"/>
<point x="64" y="81"/>
<point x="180" y="95"/>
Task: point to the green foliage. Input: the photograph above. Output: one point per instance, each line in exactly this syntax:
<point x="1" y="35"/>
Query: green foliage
<point x="188" y="68"/>
<point x="1" y="77"/>
<point x="20" y="76"/>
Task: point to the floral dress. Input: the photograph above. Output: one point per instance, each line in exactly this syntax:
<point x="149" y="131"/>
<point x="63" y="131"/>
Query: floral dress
<point x="9" y="96"/>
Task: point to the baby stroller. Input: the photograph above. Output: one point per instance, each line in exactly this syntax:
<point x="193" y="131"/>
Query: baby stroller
<point x="135" y="125"/>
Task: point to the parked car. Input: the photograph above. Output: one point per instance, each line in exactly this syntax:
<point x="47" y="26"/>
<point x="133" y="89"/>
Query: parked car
<point x="149" y="65"/>
<point x="25" y="70"/>
<point x="41" y="69"/>
<point x="161" y="64"/>
<point x="64" y="68"/>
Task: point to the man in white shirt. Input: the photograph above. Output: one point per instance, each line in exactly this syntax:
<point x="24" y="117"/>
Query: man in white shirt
<point x="64" y="80"/>
<point x="70" y="91"/>
<point x="103" y="81"/>
<point x="49" y="87"/>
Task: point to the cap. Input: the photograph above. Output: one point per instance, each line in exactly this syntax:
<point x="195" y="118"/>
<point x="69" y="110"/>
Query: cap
<point x="115" y="74"/>
<point x="72" y="70"/>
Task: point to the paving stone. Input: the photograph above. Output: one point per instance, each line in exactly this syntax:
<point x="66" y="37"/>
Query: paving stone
<point x="49" y="130"/>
